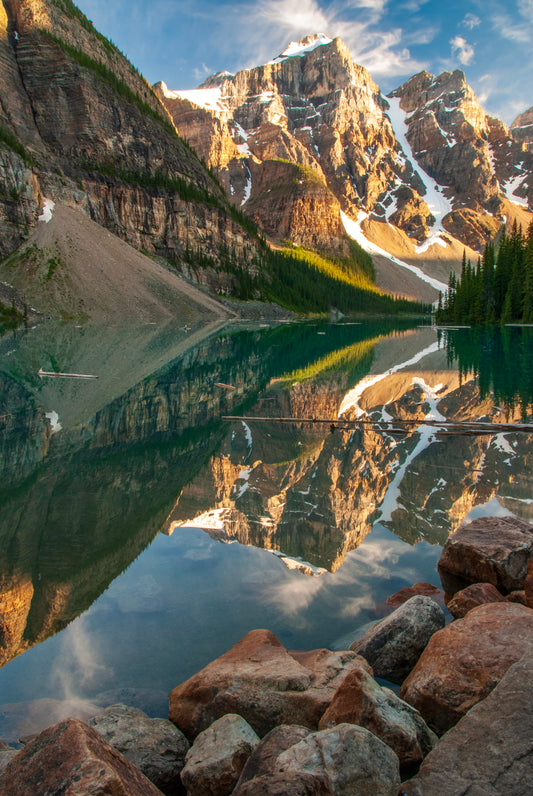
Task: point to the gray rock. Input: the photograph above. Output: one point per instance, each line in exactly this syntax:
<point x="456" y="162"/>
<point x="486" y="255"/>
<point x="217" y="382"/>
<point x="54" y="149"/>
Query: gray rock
<point x="217" y="757"/>
<point x="263" y="759"/>
<point x="394" y="645"/>
<point x="360" y="700"/>
<point x="490" y="751"/>
<point x="349" y="758"/>
<point x="7" y="753"/>
<point x="155" y="746"/>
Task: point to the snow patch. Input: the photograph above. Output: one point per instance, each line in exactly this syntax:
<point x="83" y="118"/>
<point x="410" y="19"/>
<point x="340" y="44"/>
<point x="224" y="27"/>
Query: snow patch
<point x="351" y="399"/>
<point x="48" y="208"/>
<point x="247" y="187"/>
<point x="511" y="186"/>
<point x="427" y="437"/>
<point x="210" y="99"/>
<point x="55" y="425"/>
<point x="298" y="48"/>
<point x="437" y="203"/>
<point x="353" y="228"/>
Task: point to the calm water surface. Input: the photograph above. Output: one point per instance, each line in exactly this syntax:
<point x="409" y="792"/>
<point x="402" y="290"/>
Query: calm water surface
<point x="141" y="535"/>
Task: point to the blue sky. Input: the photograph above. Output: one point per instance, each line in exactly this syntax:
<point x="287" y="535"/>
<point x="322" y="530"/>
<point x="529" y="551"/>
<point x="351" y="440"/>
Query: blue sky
<point x="184" y="41"/>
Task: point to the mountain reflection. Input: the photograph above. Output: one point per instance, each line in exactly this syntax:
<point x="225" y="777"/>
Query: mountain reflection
<point x="144" y="449"/>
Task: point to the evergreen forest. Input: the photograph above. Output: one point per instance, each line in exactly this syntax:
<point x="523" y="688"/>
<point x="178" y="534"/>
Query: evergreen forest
<point x="498" y="290"/>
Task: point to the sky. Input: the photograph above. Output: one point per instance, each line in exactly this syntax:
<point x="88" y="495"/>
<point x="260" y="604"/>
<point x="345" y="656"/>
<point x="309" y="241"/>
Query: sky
<point x="184" y="41"/>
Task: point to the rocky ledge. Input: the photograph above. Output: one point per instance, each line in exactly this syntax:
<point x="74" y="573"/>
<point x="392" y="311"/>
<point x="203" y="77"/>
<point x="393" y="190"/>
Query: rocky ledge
<point x="265" y="721"/>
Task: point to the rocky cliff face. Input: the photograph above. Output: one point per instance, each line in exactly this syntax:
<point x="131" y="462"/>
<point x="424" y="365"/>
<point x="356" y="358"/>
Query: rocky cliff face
<point x="436" y="162"/>
<point x="522" y="128"/>
<point x="317" y="110"/>
<point x="81" y="126"/>
<point x="472" y="155"/>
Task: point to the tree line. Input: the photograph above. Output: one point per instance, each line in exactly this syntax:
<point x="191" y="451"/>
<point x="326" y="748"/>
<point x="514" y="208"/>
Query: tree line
<point x="498" y="290"/>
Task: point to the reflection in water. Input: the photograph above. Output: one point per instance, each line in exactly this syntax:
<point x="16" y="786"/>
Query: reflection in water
<point x="501" y="359"/>
<point x="144" y="450"/>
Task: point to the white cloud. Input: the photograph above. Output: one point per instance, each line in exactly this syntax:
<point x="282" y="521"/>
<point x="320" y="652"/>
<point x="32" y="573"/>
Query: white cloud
<point x="509" y="30"/>
<point x="471" y="21"/>
<point x="525" y="7"/>
<point x="462" y="50"/>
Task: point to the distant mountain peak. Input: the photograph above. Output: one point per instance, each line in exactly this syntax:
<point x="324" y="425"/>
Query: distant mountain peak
<point x="304" y="45"/>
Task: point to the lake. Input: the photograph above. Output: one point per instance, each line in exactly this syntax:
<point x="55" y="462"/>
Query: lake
<point x="142" y="535"/>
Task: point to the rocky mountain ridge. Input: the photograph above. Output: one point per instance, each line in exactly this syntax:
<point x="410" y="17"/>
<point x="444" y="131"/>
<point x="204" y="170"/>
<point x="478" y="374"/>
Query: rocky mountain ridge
<point x="78" y="124"/>
<point x="308" y="134"/>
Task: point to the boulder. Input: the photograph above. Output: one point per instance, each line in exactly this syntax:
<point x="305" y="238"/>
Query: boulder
<point x="215" y="760"/>
<point x="393" y="646"/>
<point x="528" y="584"/>
<point x="488" y="550"/>
<point x="262" y="761"/>
<point x="264" y="683"/>
<point x="349" y="758"/>
<point x="360" y="700"/>
<point x="489" y="751"/>
<point x="426" y="589"/>
<point x="281" y="785"/>
<point x="155" y="746"/>
<point x="466" y="660"/>
<point x="7" y="753"/>
<point x="518" y="596"/>
<point x="72" y="759"/>
<point x="476" y="594"/>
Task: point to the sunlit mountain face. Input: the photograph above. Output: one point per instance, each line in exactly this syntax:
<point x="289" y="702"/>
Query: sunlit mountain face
<point x="337" y="481"/>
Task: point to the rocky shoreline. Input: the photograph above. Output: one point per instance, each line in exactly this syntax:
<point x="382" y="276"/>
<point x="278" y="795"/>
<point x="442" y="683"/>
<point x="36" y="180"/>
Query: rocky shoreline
<point x="263" y="720"/>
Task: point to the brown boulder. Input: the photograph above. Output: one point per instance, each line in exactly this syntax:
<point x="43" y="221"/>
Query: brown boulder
<point x="464" y="661"/>
<point x="72" y="759"/>
<point x="489" y="751"/>
<point x="488" y="550"/>
<point x="264" y="683"/>
<point x="528" y="584"/>
<point x="517" y="597"/>
<point x="426" y="589"/>
<point x="360" y="700"/>
<point x="474" y="595"/>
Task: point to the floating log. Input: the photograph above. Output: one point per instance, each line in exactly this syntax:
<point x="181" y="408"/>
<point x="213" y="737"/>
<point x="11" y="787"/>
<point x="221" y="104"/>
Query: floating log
<point x="386" y="425"/>
<point x="224" y="386"/>
<point x="42" y="373"/>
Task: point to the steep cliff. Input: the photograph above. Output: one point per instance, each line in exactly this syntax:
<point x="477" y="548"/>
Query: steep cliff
<point x="473" y="156"/>
<point x="80" y="126"/>
<point x="427" y="159"/>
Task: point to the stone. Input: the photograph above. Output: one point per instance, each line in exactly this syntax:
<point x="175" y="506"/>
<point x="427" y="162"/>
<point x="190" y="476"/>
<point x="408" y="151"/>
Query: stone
<point x="7" y="753"/>
<point x="217" y="757"/>
<point x="281" y="785"/>
<point x="72" y="759"/>
<point x="393" y="646"/>
<point x="264" y="683"/>
<point x="426" y="589"/>
<point x="489" y="550"/>
<point x="528" y="584"/>
<point x="466" y="660"/>
<point x="517" y="597"/>
<point x="349" y="758"/>
<point x="476" y="594"/>
<point x="155" y="746"/>
<point x="262" y="761"/>
<point x="360" y="700"/>
<point x="489" y="751"/>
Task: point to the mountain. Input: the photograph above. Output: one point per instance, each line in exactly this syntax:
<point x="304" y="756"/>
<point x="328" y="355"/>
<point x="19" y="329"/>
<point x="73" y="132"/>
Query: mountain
<point x="79" y="125"/>
<point x="308" y="137"/>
